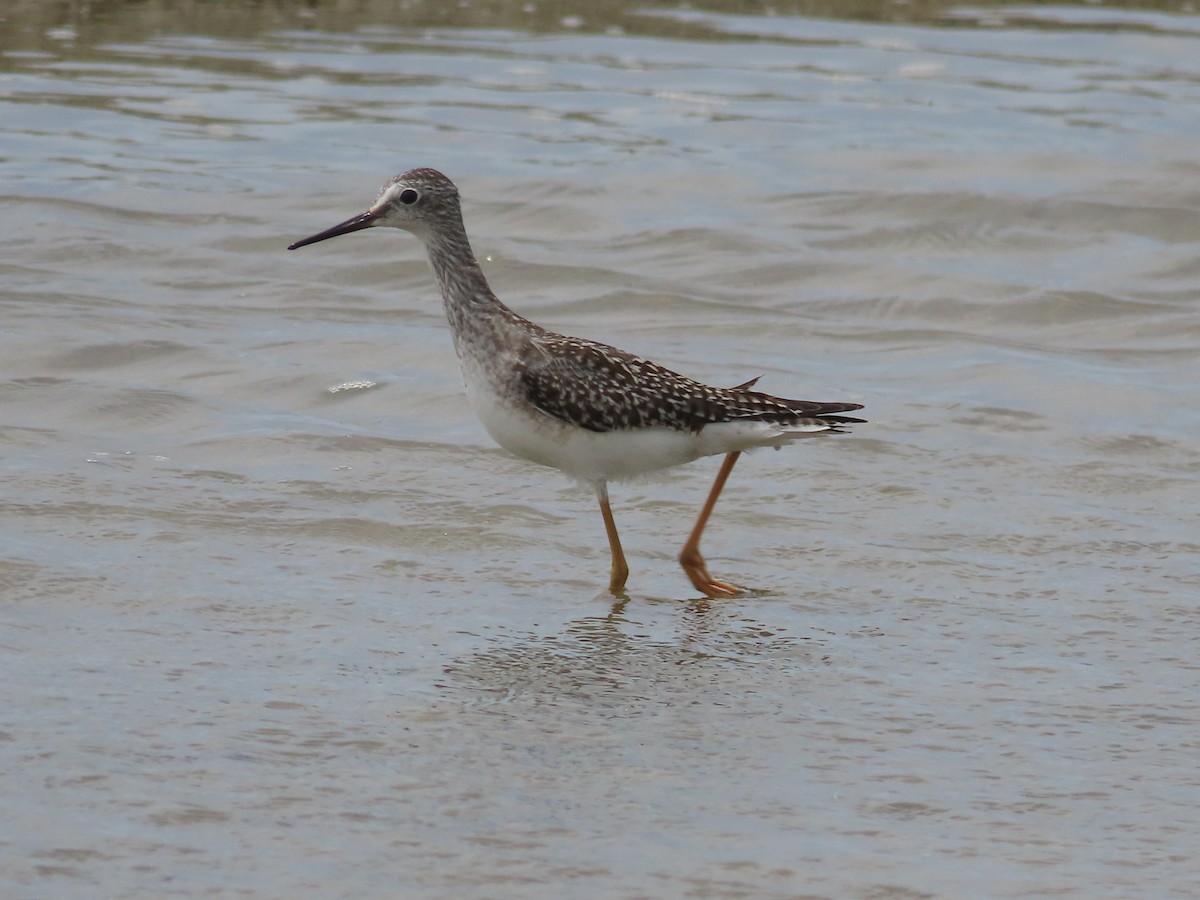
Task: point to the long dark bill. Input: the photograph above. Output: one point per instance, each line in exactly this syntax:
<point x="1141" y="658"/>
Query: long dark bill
<point x="358" y="223"/>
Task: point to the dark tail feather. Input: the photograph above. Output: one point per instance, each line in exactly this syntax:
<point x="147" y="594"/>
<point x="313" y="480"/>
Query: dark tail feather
<point x="746" y="385"/>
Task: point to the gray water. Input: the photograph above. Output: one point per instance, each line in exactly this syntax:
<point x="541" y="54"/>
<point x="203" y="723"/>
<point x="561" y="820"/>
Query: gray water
<point x="278" y="620"/>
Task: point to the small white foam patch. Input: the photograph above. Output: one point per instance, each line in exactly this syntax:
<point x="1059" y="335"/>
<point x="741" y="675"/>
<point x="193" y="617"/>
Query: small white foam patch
<point x="353" y="386"/>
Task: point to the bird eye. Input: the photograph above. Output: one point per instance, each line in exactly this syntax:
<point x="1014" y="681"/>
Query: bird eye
<point x="408" y="196"/>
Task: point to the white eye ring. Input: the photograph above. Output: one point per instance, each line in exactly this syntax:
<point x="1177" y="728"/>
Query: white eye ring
<point x="408" y="196"/>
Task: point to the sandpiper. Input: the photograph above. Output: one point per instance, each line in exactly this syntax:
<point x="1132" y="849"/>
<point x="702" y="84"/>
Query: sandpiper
<point x="594" y="412"/>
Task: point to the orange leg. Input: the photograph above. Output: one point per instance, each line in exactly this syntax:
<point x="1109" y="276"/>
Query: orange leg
<point x="620" y="568"/>
<point x="689" y="557"/>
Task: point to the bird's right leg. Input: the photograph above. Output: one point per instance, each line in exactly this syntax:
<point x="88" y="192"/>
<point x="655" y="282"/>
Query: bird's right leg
<point x="620" y="568"/>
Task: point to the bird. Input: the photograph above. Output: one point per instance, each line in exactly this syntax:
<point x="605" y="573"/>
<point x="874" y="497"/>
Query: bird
<point x="594" y="412"/>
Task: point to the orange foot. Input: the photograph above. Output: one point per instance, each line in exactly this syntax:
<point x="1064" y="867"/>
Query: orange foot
<point x="697" y="573"/>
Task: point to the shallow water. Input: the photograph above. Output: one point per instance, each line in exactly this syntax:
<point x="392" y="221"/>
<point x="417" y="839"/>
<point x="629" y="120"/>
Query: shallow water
<point x="278" y="619"/>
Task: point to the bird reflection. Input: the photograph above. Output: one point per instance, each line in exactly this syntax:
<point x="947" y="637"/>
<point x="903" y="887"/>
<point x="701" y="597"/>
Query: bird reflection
<point x="631" y="658"/>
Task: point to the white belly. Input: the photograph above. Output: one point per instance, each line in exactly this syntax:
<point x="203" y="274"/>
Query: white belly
<point x="593" y="456"/>
<point x="613" y="455"/>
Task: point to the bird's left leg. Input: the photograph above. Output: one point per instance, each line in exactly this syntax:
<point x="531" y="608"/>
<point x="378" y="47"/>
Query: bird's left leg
<point x="689" y="557"/>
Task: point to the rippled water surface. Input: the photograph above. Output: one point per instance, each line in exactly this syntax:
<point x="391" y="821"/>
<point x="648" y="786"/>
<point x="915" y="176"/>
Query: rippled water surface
<point x="278" y="619"/>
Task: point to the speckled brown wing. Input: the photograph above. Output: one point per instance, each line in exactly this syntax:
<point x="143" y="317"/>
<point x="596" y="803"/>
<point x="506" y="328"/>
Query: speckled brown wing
<point x="600" y="388"/>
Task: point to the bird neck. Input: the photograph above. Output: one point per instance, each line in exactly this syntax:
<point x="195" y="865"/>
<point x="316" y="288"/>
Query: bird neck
<point x="473" y="310"/>
<point x="457" y="271"/>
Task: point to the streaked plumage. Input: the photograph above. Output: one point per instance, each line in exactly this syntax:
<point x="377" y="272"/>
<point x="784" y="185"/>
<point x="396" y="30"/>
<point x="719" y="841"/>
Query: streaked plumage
<point x="591" y="410"/>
